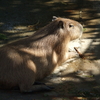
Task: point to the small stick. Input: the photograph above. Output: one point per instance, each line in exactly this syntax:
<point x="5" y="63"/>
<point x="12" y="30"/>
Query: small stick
<point x="80" y="54"/>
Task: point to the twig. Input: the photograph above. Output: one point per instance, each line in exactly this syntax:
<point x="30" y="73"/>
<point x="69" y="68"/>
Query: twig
<point x="80" y="54"/>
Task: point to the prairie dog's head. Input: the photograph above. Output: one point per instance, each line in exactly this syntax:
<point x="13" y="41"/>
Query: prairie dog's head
<point x="72" y="29"/>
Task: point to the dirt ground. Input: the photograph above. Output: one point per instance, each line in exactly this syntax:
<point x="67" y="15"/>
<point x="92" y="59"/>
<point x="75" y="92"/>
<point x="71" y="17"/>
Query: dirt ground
<point x="75" y="78"/>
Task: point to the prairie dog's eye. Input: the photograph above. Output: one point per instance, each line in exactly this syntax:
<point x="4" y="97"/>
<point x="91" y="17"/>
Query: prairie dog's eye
<point x="71" y="25"/>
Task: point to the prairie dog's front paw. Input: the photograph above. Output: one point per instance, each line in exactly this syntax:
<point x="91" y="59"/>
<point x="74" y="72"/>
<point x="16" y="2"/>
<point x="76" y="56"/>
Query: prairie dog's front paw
<point x="73" y="55"/>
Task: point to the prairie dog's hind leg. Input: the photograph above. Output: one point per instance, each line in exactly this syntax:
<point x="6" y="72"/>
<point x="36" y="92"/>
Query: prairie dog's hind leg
<point x="37" y="87"/>
<point x="25" y="88"/>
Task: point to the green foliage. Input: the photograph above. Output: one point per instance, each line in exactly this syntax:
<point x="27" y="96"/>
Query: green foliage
<point x="84" y="29"/>
<point x="3" y="37"/>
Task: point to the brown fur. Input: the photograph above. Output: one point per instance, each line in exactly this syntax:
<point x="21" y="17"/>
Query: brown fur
<point x="31" y="59"/>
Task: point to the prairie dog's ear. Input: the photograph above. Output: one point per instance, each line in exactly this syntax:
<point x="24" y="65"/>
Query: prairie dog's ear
<point x="54" y="18"/>
<point x="61" y="24"/>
